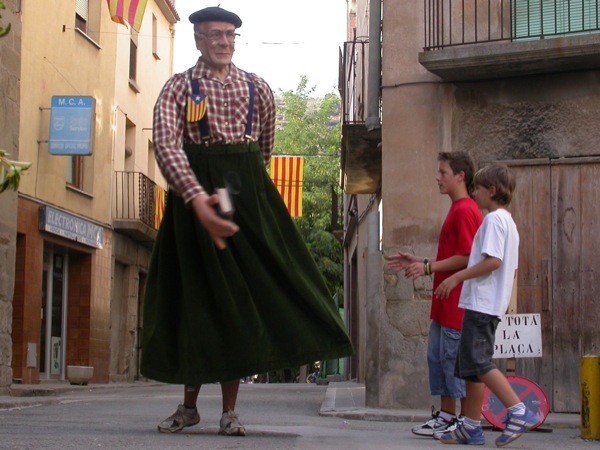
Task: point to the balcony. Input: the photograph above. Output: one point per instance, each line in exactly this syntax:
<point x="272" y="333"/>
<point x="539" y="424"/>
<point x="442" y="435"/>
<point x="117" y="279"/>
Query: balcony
<point x="138" y="206"/>
<point x="487" y="39"/>
<point x="361" y="150"/>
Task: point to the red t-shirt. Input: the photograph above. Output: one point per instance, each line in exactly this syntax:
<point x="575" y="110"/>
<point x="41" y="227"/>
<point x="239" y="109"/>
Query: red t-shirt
<point x="456" y="238"/>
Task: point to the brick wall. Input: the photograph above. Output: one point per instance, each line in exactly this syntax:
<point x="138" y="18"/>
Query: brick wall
<point x="28" y="291"/>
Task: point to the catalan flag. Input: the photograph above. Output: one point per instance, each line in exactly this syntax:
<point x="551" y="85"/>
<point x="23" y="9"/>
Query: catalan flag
<point x="196" y="107"/>
<point x="159" y="205"/>
<point x="287" y="173"/>
<point x="127" y="12"/>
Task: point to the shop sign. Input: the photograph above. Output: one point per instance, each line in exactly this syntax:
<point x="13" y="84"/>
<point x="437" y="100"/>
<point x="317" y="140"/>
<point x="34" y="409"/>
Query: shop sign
<point x="71" y="227"/>
<point x="71" y="125"/>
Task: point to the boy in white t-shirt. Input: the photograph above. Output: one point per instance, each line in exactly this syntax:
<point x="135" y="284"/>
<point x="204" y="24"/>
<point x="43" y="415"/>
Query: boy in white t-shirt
<point x="487" y="286"/>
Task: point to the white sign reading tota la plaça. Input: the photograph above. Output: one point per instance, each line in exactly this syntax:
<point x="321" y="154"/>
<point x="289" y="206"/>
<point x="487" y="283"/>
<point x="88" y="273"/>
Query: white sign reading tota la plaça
<point x="519" y="336"/>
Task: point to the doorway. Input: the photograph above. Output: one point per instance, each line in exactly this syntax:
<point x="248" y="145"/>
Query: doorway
<point x="140" y="324"/>
<point x="53" y="314"/>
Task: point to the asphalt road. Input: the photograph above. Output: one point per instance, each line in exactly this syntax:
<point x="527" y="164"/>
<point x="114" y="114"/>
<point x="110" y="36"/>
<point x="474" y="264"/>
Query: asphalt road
<point x="276" y="416"/>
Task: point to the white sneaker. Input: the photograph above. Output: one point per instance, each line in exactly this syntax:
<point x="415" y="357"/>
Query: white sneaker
<point x="451" y="427"/>
<point x="230" y="425"/>
<point x="436" y="423"/>
<point x="178" y="420"/>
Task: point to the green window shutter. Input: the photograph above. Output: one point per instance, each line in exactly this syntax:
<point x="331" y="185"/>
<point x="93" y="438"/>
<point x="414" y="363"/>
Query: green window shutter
<point x="535" y="19"/>
<point x="526" y="18"/>
<point x="584" y="15"/>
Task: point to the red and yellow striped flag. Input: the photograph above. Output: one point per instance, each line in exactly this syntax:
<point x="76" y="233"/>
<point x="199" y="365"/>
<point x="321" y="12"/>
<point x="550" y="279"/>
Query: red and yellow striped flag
<point x="159" y="205"/>
<point x="127" y="12"/>
<point x="196" y="107"/>
<point x="287" y="173"/>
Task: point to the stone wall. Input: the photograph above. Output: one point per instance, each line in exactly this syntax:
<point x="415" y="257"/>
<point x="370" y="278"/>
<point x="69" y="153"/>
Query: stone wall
<point x="10" y="67"/>
<point x="509" y="119"/>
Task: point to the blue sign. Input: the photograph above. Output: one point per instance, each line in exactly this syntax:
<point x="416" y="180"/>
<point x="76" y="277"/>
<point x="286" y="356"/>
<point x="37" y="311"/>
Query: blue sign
<point x="71" y="227"/>
<point x="71" y="126"/>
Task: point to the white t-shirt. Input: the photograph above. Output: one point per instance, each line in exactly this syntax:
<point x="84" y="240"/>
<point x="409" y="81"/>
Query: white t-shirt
<point x="497" y="237"/>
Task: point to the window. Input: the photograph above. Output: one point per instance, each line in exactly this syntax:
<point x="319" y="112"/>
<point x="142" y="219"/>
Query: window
<point x="87" y="18"/>
<point x="130" y="132"/>
<point x="82" y="13"/>
<point x="78" y="166"/>
<point x="151" y="162"/>
<point x="133" y="50"/>
<point x="155" y="37"/>
<point x="75" y="171"/>
<point x="547" y="18"/>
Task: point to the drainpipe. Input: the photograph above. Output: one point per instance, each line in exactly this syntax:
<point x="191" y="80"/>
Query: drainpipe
<point x="374" y="75"/>
<point x="373" y="306"/>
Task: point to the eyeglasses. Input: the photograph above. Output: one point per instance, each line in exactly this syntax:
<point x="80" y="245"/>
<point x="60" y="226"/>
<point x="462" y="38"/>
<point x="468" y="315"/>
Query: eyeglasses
<point x="215" y="36"/>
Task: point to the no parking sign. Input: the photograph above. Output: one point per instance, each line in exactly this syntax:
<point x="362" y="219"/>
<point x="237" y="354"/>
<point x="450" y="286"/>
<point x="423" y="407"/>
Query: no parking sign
<point x="532" y="395"/>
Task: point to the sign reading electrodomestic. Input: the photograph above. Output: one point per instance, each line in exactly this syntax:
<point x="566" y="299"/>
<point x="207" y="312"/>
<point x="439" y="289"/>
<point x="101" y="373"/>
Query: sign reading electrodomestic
<point x="519" y="336"/>
<point x="71" y="227"/>
<point x="71" y="125"/>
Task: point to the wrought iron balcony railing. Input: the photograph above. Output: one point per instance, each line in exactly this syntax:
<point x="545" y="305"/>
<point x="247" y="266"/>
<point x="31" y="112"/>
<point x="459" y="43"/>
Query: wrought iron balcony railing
<point x="138" y="198"/>
<point x="451" y="23"/>
<point x="353" y="81"/>
<point x="361" y="159"/>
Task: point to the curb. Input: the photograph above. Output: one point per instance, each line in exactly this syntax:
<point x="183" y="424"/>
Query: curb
<point x="345" y="400"/>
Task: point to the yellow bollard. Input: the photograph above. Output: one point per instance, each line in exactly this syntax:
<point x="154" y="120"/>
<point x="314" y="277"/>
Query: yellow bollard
<point x="590" y="397"/>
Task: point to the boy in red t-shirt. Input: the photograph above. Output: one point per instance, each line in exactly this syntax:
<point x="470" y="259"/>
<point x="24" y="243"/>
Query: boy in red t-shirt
<point x="455" y="179"/>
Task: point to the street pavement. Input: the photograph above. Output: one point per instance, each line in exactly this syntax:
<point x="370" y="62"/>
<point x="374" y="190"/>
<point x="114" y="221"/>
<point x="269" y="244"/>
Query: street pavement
<point x="276" y="416"/>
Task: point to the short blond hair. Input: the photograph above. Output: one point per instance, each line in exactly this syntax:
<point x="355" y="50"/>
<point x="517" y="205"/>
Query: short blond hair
<point x="499" y="176"/>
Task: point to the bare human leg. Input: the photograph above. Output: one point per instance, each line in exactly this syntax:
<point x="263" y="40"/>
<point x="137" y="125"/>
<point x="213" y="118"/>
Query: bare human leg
<point x="230" y="424"/>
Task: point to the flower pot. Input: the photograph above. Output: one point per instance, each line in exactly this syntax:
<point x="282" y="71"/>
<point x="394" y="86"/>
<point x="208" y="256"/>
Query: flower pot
<point x="80" y="375"/>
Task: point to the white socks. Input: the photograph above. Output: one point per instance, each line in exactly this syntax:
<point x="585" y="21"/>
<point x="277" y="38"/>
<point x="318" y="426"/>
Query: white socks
<point x="517" y="410"/>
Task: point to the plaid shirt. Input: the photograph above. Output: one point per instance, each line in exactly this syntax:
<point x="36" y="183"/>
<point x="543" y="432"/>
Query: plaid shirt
<point x="226" y="116"/>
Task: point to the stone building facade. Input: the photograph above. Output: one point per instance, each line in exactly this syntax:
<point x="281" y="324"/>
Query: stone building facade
<point x="83" y="222"/>
<point x="10" y="73"/>
<point x="526" y="93"/>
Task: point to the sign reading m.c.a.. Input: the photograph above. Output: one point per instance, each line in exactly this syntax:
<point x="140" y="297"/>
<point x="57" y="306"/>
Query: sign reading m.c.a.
<point x="71" y="125"/>
<point x="519" y="336"/>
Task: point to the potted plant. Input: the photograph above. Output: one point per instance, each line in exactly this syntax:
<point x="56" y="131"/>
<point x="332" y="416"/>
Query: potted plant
<point x="80" y="374"/>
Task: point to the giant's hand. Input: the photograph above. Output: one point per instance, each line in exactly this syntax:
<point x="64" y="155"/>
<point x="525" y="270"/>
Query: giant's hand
<point x="217" y="227"/>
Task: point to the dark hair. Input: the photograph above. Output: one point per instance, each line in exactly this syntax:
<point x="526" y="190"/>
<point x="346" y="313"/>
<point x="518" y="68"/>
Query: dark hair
<point x="460" y="162"/>
<point x="499" y="176"/>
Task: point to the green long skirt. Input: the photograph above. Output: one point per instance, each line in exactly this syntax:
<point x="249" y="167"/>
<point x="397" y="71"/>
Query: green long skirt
<point x="259" y="305"/>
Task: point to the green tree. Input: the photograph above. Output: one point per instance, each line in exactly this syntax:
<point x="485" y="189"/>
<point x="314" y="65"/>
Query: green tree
<point x="11" y="171"/>
<point x="310" y="127"/>
<point x="3" y="30"/>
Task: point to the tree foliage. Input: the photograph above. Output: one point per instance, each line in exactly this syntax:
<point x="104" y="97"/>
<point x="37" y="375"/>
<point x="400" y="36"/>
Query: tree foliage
<point x="310" y="127"/>
<point x="3" y="30"/>
<point x="11" y="171"/>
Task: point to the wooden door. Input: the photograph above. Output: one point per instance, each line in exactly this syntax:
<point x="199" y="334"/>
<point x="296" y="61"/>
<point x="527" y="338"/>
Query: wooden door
<point x="532" y="213"/>
<point x="556" y="208"/>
